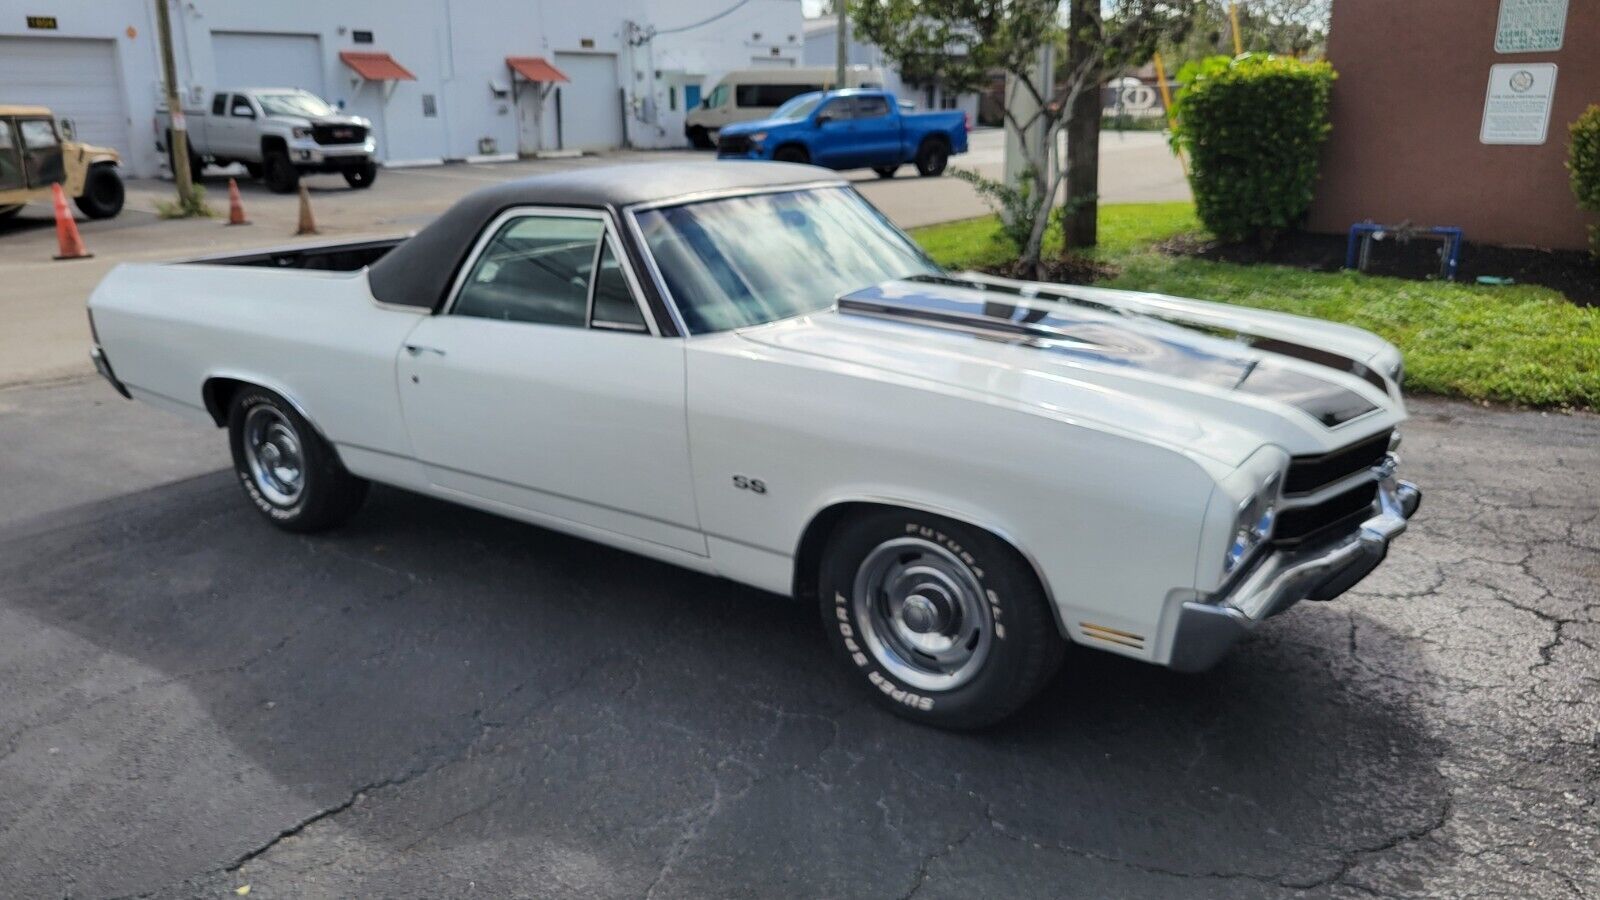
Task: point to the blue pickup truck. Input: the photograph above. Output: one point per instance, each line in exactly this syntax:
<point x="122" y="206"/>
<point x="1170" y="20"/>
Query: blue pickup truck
<point x="850" y="129"/>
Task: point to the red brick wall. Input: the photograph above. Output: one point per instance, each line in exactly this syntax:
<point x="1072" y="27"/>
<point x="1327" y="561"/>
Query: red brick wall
<point x="1407" y="108"/>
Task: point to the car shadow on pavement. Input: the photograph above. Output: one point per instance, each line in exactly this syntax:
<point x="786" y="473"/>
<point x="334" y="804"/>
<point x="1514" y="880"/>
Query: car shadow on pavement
<point x="432" y="696"/>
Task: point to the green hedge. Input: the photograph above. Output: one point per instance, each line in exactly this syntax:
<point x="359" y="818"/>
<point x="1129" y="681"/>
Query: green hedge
<point x="1252" y="127"/>
<point x="1583" y="160"/>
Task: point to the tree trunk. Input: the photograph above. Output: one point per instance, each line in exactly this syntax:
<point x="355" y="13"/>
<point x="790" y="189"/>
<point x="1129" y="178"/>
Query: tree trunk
<point x="1079" y="219"/>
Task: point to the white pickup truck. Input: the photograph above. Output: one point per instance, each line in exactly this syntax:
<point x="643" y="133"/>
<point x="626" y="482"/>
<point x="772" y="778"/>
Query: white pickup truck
<point x="744" y="369"/>
<point x="278" y="134"/>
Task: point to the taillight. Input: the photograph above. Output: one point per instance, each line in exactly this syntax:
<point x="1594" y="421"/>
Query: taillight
<point x="966" y="121"/>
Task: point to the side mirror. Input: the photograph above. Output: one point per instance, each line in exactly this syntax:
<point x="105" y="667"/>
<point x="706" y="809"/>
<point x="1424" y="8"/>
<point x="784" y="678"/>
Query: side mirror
<point x="823" y="119"/>
<point x="69" y="130"/>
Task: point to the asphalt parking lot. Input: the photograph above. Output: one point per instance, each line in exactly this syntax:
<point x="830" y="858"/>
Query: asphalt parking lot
<point x="434" y="702"/>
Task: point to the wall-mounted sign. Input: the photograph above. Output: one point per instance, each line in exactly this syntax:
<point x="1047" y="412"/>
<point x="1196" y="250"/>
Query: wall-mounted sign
<point x="361" y="37"/>
<point x="1516" y="109"/>
<point x="586" y="43"/>
<point x="1530" y="26"/>
<point x="46" y="23"/>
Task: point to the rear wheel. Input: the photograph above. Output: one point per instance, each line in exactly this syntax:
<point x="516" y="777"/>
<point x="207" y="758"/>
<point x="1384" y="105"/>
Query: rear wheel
<point x="362" y="177"/>
<point x="932" y="157"/>
<point x="288" y="471"/>
<point x="792" y="154"/>
<point x="944" y="623"/>
<point x="885" y="171"/>
<point x="281" y="175"/>
<point x="102" y="192"/>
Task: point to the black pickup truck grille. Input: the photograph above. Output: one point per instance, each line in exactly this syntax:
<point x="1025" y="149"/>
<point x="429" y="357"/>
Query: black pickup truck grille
<point x="733" y="145"/>
<point x="1339" y="513"/>
<point x="338" y="134"/>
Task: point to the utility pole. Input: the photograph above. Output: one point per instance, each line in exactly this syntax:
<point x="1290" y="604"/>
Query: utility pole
<point x="179" y="139"/>
<point x="841" y="43"/>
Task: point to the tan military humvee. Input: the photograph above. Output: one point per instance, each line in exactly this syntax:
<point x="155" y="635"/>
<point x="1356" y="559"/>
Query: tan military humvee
<point x="34" y="154"/>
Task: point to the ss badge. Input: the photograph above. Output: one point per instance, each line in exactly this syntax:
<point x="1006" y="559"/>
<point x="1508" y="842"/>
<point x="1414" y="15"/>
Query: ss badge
<point x="754" y="485"/>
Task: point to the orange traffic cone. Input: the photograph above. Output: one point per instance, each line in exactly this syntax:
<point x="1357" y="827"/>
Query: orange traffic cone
<point x="308" y="225"/>
<point x="235" y="205"/>
<point x="67" y="230"/>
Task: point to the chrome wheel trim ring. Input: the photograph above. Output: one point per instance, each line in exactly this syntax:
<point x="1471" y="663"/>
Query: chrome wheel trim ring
<point x="272" y="452"/>
<point x="922" y="614"/>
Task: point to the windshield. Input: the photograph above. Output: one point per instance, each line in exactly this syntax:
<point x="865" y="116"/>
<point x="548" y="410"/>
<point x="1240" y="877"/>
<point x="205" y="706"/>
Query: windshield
<point x="756" y="259"/>
<point x="298" y="103"/>
<point x="798" y="108"/>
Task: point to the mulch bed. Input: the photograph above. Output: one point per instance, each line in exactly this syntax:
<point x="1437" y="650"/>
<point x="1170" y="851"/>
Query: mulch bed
<point x="1572" y="272"/>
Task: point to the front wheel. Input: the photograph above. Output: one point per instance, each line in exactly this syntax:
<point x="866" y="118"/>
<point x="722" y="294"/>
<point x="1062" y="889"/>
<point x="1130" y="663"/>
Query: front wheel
<point x="102" y="193"/>
<point x="281" y="175"/>
<point x="791" y="154"/>
<point x="942" y="622"/>
<point x="701" y="139"/>
<point x="289" y="472"/>
<point x="362" y="177"/>
<point x="932" y="157"/>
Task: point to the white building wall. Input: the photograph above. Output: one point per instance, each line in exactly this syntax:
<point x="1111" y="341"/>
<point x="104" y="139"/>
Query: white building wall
<point x="455" y="48"/>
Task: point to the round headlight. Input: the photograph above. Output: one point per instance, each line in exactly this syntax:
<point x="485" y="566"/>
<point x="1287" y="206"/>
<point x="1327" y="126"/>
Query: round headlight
<point x="1252" y="528"/>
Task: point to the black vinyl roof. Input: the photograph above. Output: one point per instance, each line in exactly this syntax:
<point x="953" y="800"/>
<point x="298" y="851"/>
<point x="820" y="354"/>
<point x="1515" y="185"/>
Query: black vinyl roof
<point x="419" y="271"/>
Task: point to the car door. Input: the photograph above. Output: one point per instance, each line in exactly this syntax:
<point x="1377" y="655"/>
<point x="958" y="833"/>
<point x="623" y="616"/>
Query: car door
<point x="877" y="132"/>
<point x="12" y="176"/>
<point x="542" y="387"/>
<point x="41" y="151"/>
<point x="835" y="144"/>
<point x="240" y="130"/>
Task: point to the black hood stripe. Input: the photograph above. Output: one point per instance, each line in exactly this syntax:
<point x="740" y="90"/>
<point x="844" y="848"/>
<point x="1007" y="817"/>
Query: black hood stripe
<point x="1093" y="338"/>
<point x="1062" y="294"/>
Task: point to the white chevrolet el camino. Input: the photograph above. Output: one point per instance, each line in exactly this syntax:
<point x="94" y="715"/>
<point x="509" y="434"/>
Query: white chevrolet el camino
<point x="745" y="369"/>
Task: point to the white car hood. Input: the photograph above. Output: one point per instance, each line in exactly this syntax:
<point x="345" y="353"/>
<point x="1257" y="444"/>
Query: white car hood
<point x="1204" y="378"/>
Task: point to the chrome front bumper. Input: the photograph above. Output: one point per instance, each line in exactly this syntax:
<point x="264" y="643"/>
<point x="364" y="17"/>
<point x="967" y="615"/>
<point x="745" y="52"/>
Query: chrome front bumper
<point x="1207" y="629"/>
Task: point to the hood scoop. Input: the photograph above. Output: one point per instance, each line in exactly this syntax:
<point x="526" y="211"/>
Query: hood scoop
<point x="1103" y="337"/>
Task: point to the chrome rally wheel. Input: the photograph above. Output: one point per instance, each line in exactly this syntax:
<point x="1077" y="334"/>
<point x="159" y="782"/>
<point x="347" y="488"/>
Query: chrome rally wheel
<point x="923" y="614"/>
<point x="272" y="451"/>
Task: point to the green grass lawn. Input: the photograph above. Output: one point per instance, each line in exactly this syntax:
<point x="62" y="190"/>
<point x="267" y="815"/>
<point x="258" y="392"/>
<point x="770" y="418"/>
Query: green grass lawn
<point x="1517" y="344"/>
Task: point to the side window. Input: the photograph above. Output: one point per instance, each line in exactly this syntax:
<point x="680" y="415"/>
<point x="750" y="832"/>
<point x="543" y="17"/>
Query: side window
<point x="241" y="106"/>
<point x="219" y="104"/>
<point x="535" y="269"/>
<point x="37" y="134"/>
<point x="718" y="97"/>
<point x="871" y="107"/>
<point x="839" y="109"/>
<point x="5" y="136"/>
<point x="614" y="306"/>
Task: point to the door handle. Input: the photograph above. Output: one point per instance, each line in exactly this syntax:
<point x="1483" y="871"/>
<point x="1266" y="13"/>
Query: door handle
<point x="419" y="349"/>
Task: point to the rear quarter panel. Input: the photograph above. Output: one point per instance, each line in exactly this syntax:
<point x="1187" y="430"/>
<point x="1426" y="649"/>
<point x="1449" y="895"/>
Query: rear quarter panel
<point x="1112" y="523"/>
<point x="315" y="337"/>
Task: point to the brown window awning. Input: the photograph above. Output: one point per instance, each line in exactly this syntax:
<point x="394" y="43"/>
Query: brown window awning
<point x="376" y="66"/>
<point x="535" y="68"/>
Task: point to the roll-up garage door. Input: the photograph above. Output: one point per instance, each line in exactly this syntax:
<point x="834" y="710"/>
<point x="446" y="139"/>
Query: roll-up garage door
<point x="77" y="79"/>
<point x="591" y="103"/>
<point x="247" y="59"/>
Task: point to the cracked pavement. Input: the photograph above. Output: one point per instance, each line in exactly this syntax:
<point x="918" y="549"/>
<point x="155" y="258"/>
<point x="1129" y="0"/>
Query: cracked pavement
<point x="434" y="702"/>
